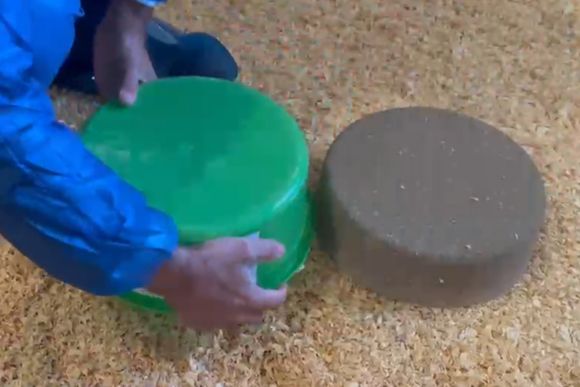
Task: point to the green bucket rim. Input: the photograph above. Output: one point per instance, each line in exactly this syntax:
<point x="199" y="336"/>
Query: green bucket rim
<point x="303" y="166"/>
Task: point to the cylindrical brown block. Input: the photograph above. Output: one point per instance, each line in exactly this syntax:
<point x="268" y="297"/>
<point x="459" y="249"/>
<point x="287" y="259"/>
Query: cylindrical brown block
<point x="429" y="206"/>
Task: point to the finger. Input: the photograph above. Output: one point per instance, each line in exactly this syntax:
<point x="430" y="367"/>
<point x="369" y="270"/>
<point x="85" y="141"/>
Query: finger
<point x="129" y="87"/>
<point x="232" y="331"/>
<point x="148" y="72"/>
<point x="256" y="250"/>
<point x="261" y="299"/>
<point x="251" y="318"/>
<point x="264" y="250"/>
<point x="109" y="87"/>
<point x="246" y="250"/>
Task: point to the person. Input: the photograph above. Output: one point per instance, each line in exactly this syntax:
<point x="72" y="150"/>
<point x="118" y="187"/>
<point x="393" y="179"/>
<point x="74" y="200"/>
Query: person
<point x="68" y="212"/>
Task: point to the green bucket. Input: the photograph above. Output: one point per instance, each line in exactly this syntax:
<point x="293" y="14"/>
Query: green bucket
<point x="221" y="158"/>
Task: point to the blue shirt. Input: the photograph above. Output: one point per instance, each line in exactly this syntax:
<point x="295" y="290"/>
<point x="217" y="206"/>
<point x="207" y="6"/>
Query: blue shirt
<point x="59" y="205"/>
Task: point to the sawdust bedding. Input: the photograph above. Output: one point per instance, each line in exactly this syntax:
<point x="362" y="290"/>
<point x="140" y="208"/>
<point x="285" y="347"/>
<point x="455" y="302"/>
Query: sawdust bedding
<point x="515" y="64"/>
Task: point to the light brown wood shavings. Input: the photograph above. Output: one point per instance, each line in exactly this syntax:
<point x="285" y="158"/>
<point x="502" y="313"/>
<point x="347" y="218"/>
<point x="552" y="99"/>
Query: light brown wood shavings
<point x="514" y="64"/>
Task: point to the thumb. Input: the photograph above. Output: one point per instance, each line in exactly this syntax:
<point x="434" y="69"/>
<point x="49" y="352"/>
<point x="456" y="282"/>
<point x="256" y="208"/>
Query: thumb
<point x="263" y="250"/>
<point x="129" y="87"/>
<point x="248" y="251"/>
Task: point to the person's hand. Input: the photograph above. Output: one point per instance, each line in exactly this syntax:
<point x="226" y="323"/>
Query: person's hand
<point x="121" y="62"/>
<point x="212" y="287"/>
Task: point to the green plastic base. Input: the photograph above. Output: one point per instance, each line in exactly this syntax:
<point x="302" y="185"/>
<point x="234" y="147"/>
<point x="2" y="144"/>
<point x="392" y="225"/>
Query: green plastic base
<point x="270" y="275"/>
<point x="147" y="303"/>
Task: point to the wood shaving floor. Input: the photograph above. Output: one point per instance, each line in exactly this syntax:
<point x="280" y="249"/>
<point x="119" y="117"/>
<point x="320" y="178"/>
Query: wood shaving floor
<point x="514" y="64"/>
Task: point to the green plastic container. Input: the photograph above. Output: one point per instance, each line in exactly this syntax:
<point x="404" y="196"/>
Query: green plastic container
<point x="221" y="158"/>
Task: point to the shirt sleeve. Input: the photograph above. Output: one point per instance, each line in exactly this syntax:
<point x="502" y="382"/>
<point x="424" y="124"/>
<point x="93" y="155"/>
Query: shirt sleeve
<point x="59" y="204"/>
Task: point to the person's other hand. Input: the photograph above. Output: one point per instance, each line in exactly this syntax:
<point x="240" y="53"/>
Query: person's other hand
<point x="121" y="62"/>
<point x="211" y="286"/>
